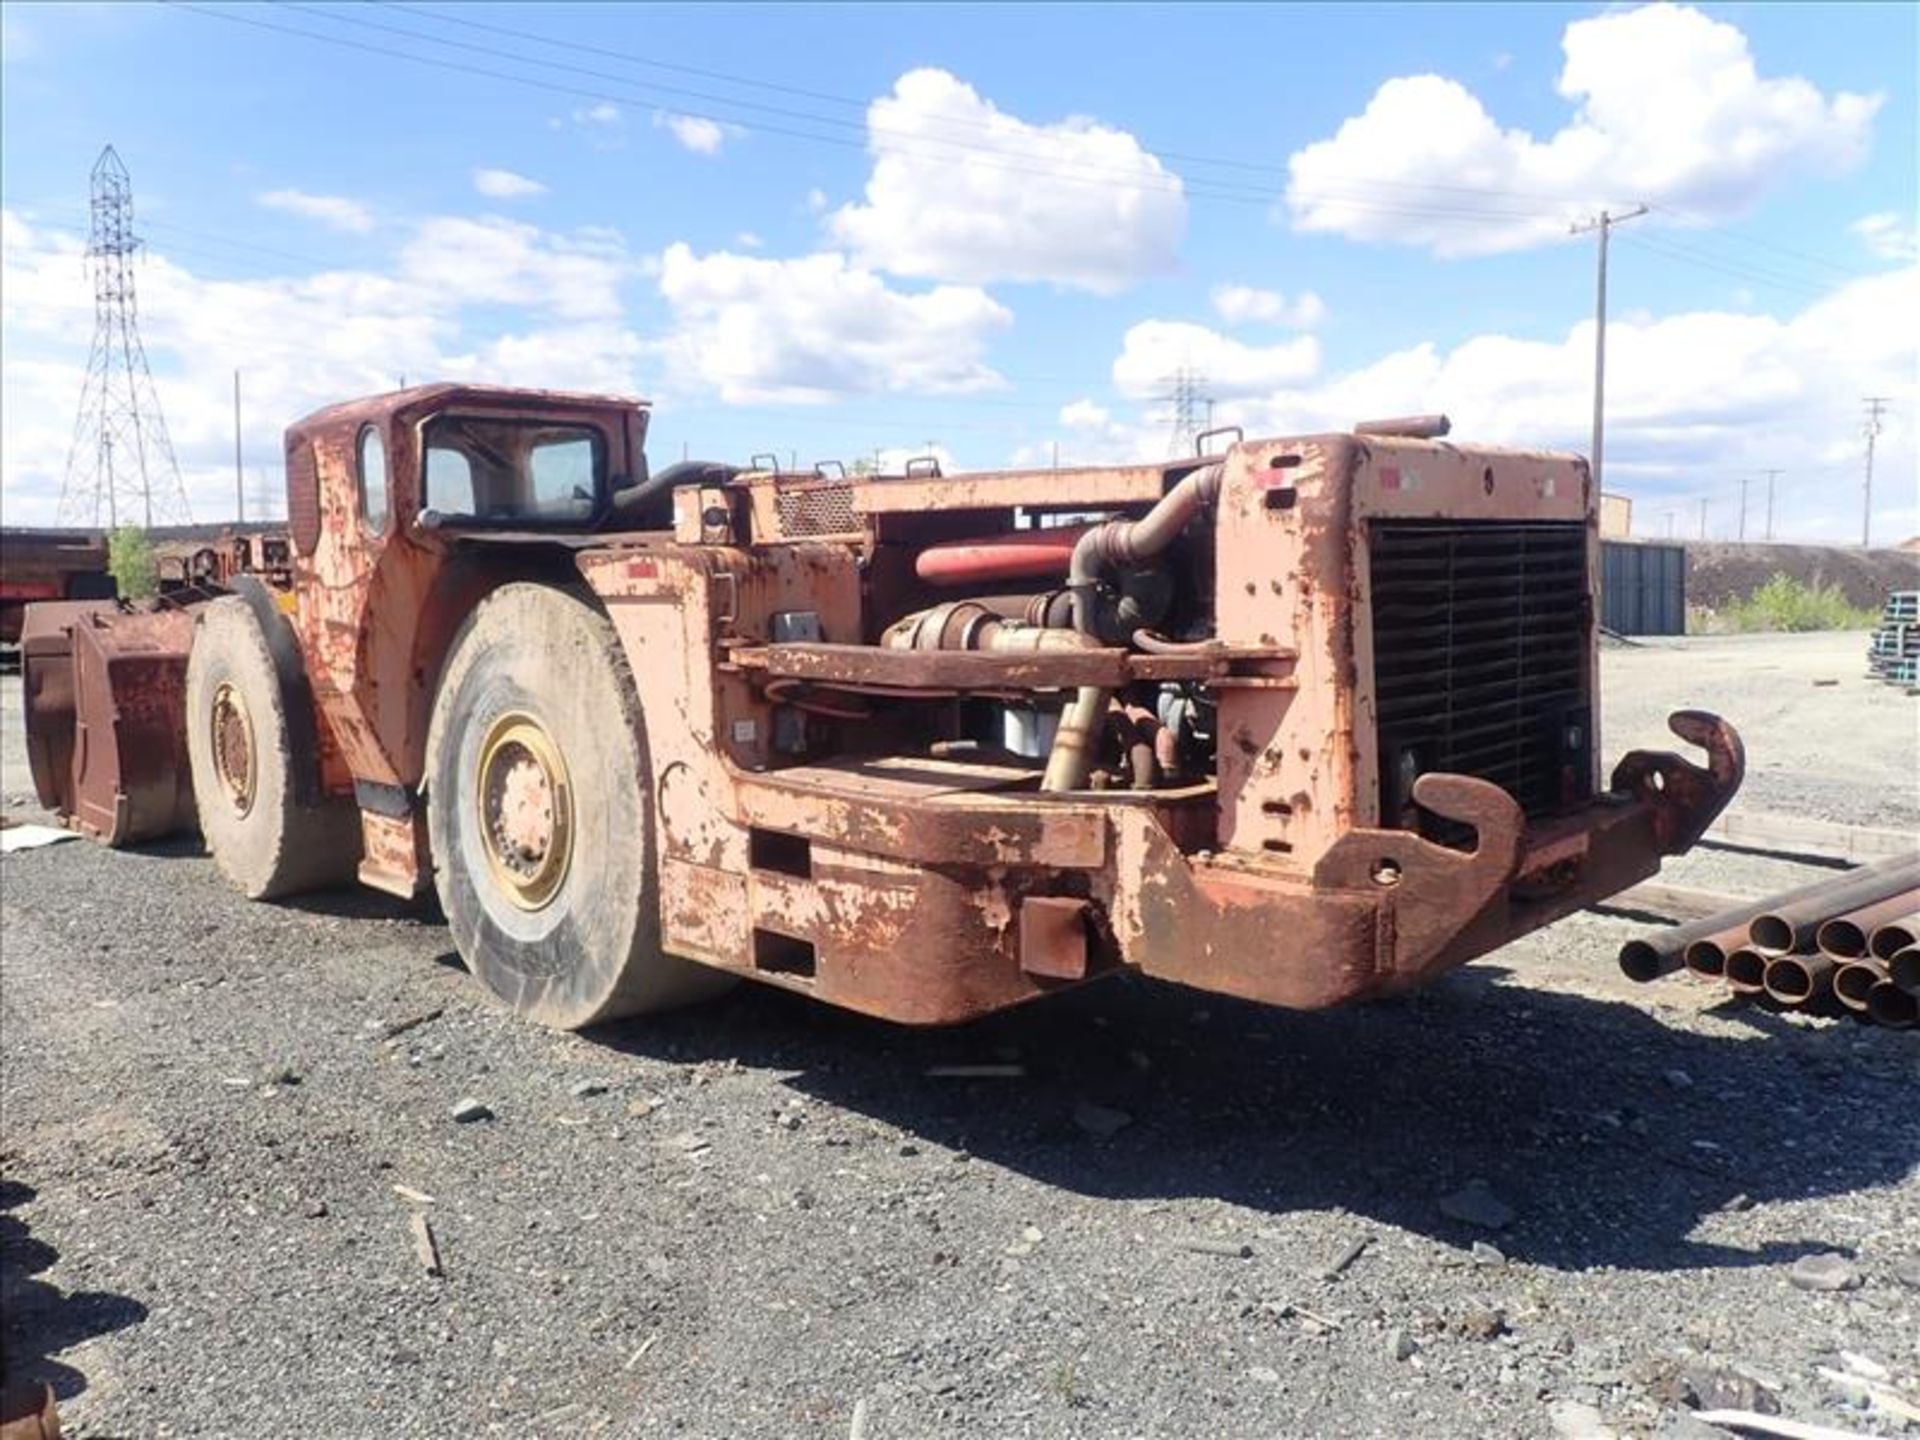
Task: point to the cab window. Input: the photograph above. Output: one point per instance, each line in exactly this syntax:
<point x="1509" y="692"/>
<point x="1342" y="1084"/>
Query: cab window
<point x="373" y="480"/>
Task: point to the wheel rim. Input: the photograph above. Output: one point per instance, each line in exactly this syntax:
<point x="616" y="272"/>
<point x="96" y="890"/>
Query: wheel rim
<point x="525" y="805"/>
<point x="234" y="753"/>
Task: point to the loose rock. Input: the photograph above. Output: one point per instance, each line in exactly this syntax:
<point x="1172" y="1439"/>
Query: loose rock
<point x="1485" y="1254"/>
<point x="1476" y="1204"/>
<point x="469" y="1110"/>
<point x="582" y="1089"/>
<point x="1826" y="1272"/>
<point x="1401" y="1345"/>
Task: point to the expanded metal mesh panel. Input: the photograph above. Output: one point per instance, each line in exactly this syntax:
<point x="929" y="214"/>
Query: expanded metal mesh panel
<point x="816" y="509"/>
<point x="1480" y="658"/>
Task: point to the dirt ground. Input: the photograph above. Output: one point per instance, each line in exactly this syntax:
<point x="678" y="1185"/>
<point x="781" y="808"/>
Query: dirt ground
<point x="1177" y="1215"/>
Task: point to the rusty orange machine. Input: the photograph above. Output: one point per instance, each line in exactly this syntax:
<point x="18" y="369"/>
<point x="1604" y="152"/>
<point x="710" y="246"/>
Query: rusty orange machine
<point x="1303" y="720"/>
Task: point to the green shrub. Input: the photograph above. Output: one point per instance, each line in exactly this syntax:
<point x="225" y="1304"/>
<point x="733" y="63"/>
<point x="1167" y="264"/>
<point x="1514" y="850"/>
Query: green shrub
<point x="1784" y="603"/>
<point x="131" y="562"/>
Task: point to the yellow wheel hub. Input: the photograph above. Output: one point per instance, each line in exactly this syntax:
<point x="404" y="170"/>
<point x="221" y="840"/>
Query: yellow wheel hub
<point x="235" y="758"/>
<point x="525" y="803"/>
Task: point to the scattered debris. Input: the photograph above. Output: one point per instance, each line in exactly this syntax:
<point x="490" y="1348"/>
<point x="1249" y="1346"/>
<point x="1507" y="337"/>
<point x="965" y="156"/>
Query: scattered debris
<point x="583" y="1089"/>
<point x="31" y="837"/>
<point x="1401" y="1345"/>
<point x="640" y="1354"/>
<point x="1573" y="1420"/>
<point x="418" y="1197"/>
<point x="426" y="1249"/>
<point x="469" y="1110"/>
<point x="1771" y="1425"/>
<point x="412" y="1022"/>
<point x="1720" y="1387"/>
<point x="1485" y="1254"/>
<point x="857" y="1427"/>
<point x="1481" y="1324"/>
<point x="1476" y="1204"/>
<point x="1264" y="1375"/>
<point x="315" y="1210"/>
<point x="1824" y="1272"/>
<point x="1346" y="1258"/>
<point x="642" y="1106"/>
<point x="1233" y="1249"/>
<point x="280" y="1075"/>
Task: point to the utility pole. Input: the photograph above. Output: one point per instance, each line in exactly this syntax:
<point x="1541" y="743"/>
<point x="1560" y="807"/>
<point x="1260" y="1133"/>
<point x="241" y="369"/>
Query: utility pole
<point x="1670" y="518"/>
<point x="239" y="481"/>
<point x="1743" y="507"/>
<point x="1772" y="475"/>
<point x="1703" y="517"/>
<point x="1876" y="407"/>
<point x="1604" y="224"/>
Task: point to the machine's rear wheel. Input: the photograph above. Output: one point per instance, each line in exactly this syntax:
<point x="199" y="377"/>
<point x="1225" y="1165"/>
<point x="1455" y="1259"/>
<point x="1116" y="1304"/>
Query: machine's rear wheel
<point x="267" y="842"/>
<point x="540" y="809"/>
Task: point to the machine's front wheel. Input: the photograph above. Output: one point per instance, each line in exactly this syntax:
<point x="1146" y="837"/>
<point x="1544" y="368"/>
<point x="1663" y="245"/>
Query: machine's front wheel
<point x="264" y="840"/>
<point x="539" y="806"/>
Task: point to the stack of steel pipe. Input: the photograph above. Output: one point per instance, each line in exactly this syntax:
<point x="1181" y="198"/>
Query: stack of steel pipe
<point x="1851" y="939"/>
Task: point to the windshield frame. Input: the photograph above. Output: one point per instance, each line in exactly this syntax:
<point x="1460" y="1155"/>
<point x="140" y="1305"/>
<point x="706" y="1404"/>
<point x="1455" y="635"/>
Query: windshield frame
<point x="589" y="426"/>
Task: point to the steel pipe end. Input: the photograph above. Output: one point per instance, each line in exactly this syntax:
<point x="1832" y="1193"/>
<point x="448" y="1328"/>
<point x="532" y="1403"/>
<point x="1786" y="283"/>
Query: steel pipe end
<point x="1853" y="980"/>
<point x="1706" y="959"/>
<point x="1904" y="970"/>
<point x="1746" y="971"/>
<point x="1889" y="1005"/>
<point x="1642" y="960"/>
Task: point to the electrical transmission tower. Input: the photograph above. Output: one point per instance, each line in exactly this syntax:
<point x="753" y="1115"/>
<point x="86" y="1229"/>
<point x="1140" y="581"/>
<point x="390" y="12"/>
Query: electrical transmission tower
<point x="1186" y="394"/>
<point x="121" y="469"/>
<point x="1876" y="407"/>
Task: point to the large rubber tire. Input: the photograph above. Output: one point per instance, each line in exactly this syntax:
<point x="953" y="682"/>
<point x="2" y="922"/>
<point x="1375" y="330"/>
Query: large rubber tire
<point x="545" y="665"/>
<point x="265" y="841"/>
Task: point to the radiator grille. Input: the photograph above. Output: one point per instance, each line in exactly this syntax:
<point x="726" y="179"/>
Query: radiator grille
<point x="1480" y="658"/>
<point x="816" y="508"/>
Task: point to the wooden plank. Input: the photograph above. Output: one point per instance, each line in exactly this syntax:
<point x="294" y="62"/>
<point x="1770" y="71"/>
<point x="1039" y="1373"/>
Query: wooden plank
<point x="1677" y="902"/>
<point x="1791" y="835"/>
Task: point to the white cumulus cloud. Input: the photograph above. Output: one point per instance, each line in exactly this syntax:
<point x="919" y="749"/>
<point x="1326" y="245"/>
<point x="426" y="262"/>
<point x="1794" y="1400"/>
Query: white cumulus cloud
<point x="524" y="307"/>
<point x="1669" y="108"/>
<point x="818" y="327"/>
<point x="697" y="133"/>
<point x="1693" y="400"/>
<point x="962" y="191"/>
<point x="506" y="185"/>
<point x="1154" y="349"/>
<point x="334" y="211"/>
<point x="1245" y="304"/>
<point x="1887" y="235"/>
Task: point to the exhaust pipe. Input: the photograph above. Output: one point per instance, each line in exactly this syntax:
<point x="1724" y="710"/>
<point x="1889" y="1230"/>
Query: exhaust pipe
<point x="1798" y="979"/>
<point x="1746" y="971"/>
<point x="1889" y="1005"/>
<point x="1649" y="959"/>
<point x="1787" y="927"/>
<point x="1854" y="980"/>
<point x="1894" y="936"/>
<point x="1117" y="544"/>
<point x="1846" y="937"/>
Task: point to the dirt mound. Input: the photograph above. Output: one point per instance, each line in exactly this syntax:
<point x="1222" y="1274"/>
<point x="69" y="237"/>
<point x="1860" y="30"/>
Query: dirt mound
<point x="1721" y="571"/>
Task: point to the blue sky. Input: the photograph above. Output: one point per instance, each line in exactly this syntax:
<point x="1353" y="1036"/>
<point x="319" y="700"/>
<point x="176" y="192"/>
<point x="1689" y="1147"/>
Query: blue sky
<point x="995" y="228"/>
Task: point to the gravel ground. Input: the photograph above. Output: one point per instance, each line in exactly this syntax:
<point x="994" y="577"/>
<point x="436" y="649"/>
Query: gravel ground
<point x="762" y="1218"/>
